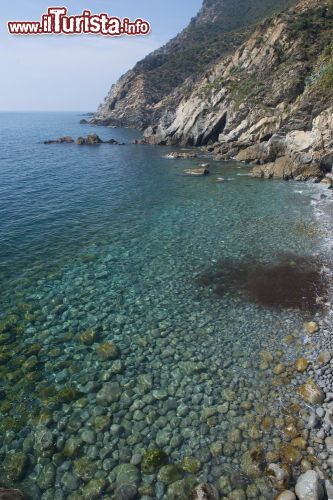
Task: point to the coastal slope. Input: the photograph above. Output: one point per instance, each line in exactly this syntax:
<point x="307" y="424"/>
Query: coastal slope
<point x="270" y="102"/>
<point x="156" y="84"/>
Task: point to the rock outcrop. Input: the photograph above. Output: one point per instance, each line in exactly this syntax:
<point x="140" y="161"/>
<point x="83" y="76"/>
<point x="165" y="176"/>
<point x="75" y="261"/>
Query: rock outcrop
<point x="91" y="139"/>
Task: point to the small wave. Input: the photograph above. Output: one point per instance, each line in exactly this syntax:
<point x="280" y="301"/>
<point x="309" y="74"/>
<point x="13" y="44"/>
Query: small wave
<point x="244" y="175"/>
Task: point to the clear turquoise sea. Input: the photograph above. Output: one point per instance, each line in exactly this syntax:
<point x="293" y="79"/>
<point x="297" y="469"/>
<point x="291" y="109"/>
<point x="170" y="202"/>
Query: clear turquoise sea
<point x="112" y="244"/>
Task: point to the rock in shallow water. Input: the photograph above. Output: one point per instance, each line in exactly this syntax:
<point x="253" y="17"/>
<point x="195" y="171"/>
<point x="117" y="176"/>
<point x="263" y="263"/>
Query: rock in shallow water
<point x="289" y="454"/>
<point x="311" y="327"/>
<point x="153" y="460"/>
<point x="169" y="474"/>
<point x="13" y="467"/>
<point x="311" y="393"/>
<point x="329" y="444"/>
<point x="286" y="495"/>
<point x="205" y="492"/>
<point x="107" y="351"/>
<point x="196" y="172"/>
<point x="8" y="494"/>
<point x="301" y="365"/>
<point x="110" y="393"/>
<point x="309" y="486"/>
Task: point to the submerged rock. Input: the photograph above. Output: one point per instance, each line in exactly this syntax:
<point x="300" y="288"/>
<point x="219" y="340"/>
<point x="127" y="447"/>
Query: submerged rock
<point x="181" y="490"/>
<point x="324" y="358"/>
<point x="205" y="492"/>
<point x="110" y="393"/>
<point x="88" y="337"/>
<point x="311" y="393"/>
<point x="196" y="172"/>
<point x="191" y="464"/>
<point x="145" y="383"/>
<point x="311" y="327"/>
<point x="301" y="365"/>
<point x="62" y="140"/>
<point x="289" y="454"/>
<point x="253" y="462"/>
<point x="126" y="474"/>
<point x="169" y="474"/>
<point x="286" y="495"/>
<point x="153" y="460"/>
<point x="108" y="350"/>
<point x="278" y="476"/>
<point x="11" y="494"/>
<point x="14" y="466"/>
<point x="94" y="489"/>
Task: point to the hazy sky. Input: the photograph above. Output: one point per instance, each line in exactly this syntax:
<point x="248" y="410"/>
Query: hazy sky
<point x="75" y="72"/>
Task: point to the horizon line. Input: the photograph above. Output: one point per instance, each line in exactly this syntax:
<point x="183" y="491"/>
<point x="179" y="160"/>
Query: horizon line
<point x="45" y="111"/>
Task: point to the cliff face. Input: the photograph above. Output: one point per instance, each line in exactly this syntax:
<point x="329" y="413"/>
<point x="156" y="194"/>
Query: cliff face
<point x="153" y="89"/>
<point x="269" y="101"/>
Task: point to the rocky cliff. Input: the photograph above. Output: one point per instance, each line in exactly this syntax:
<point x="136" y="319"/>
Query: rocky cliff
<point x="269" y="102"/>
<point x="155" y="86"/>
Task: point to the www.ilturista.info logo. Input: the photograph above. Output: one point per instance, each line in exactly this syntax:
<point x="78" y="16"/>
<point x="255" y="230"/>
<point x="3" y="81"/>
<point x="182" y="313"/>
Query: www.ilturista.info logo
<point x="57" y="22"/>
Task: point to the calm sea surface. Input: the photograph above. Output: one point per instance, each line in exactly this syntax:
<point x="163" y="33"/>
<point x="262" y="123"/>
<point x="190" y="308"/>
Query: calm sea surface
<point x="121" y="329"/>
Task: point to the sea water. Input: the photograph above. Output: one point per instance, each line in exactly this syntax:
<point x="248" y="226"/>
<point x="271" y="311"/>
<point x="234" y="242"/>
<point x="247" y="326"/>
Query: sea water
<point x="122" y="329"/>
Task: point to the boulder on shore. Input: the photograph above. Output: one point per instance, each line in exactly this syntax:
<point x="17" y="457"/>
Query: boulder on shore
<point x="285" y="167"/>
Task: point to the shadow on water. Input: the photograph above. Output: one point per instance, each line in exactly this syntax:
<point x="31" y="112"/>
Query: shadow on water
<point x="289" y="282"/>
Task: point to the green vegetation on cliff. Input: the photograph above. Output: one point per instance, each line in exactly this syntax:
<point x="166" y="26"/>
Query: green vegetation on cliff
<point x="219" y="27"/>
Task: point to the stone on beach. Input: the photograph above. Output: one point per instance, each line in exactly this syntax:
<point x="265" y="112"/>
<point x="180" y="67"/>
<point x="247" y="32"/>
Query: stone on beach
<point x="309" y="486"/>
